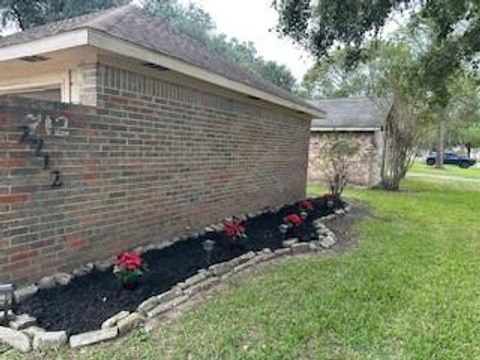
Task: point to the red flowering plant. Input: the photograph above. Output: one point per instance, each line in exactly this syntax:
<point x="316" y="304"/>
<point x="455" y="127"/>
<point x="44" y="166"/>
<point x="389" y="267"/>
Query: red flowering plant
<point x="306" y="206"/>
<point x="294" y="220"/>
<point x="290" y="223"/>
<point x="129" y="269"/>
<point x="235" y="230"/>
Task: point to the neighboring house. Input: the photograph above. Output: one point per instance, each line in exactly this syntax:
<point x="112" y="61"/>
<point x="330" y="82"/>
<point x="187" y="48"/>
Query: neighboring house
<point x="151" y="135"/>
<point x="361" y="121"/>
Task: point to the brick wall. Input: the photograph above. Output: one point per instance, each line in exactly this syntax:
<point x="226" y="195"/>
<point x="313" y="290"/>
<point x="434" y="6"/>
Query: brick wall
<point x="155" y="160"/>
<point x="364" y="166"/>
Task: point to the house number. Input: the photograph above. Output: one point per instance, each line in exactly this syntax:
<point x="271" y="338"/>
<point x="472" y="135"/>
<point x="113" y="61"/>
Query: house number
<point x="57" y="126"/>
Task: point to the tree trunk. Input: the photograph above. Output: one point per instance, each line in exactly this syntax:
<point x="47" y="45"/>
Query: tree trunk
<point x="469" y="150"/>
<point x="440" y="144"/>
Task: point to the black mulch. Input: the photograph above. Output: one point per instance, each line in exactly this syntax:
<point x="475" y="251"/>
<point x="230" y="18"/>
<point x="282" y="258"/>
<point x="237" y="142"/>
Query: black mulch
<point x="89" y="300"/>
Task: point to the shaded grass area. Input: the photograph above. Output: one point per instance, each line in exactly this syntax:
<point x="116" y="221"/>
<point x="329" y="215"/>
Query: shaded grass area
<point x="409" y="290"/>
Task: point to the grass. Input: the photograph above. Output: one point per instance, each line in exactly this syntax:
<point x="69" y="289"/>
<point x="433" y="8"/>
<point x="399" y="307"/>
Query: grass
<point x="450" y="170"/>
<point x="409" y="290"/>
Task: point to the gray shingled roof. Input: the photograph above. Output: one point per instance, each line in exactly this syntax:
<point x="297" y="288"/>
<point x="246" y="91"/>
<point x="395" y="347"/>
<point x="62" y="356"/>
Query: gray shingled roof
<point x="132" y="24"/>
<point x="350" y="113"/>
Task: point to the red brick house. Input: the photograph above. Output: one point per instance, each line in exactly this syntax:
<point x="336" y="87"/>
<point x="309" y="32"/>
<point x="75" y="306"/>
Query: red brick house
<point x="145" y="136"/>
<point x="359" y="120"/>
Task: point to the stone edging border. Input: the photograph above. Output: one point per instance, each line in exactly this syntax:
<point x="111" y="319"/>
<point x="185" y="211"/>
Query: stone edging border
<point x="24" y="335"/>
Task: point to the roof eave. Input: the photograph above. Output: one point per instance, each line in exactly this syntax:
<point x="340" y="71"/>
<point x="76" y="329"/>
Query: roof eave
<point x="122" y="47"/>
<point x="66" y="40"/>
<point x="104" y="41"/>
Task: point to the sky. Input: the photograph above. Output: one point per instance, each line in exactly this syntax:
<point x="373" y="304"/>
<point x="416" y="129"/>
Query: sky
<point x="254" y="20"/>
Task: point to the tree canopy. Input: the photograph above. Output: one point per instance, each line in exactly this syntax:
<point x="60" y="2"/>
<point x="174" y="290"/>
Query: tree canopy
<point x="322" y="25"/>
<point x="30" y="13"/>
<point x="197" y="23"/>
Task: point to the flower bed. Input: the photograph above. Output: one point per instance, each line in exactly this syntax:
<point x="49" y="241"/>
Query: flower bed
<point x="87" y="301"/>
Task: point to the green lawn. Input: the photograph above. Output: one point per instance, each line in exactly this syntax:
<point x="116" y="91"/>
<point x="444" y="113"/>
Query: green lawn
<point x="409" y="290"/>
<point x="450" y="170"/>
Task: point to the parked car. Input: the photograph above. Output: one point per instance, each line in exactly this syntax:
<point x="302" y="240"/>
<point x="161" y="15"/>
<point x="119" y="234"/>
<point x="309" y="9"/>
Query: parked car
<point x="452" y="159"/>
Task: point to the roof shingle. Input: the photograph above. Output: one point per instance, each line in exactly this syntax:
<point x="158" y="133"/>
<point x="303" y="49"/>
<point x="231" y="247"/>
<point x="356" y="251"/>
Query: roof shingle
<point x="132" y="24"/>
<point x="350" y="113"/>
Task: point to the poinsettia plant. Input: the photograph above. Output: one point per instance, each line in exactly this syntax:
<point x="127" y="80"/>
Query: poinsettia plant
<point x="306" y="205"/>
<point x="291" y="224"/>
<point x="129" y="269"/>
<point x="235" y="230"/>
<point x="294" y="220"/>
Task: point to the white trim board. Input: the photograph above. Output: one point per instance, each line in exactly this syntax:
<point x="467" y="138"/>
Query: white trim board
<point x="370" y="129"/>
<point x="116" y="45"/>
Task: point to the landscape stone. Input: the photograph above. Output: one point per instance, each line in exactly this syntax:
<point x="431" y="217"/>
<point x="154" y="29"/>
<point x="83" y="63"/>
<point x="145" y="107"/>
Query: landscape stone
<point x="163" y="308"/>
<point x="219" y="227"/>
<point x="242" y="258"/>
<point x="49" y="340"/>
<point x="202" y="275"/>
<point x="81" y="271"/>
<point x="169" y="295"/>
<point x="93" y="337"/>
<point x="328" y="242"/>
<point x="47" y="282"/>
<point x="204" y="285"/>
<point x="111" y="322"/>
<point x="313" y="246"/>
<point x="16" y="339"/>
<point x="247" y="264"/>
<point x="22" y="322"/>
<point x="290" y="242"/>
<point x="104" y="265"/>
<point x="130" y="322"/>
<point x="283" y="252"/>
<point x="25" y="292"/>
<point x="241" y="267"/>
<point x="148" y="304"/>
<point x="150" y="247"/>
<point x="63" y="279"/>
<point x="139" y="250"/>
<point x="33" y="330"/>
<point x="221" y="268"/>
<point x="301" y="248"/>
<point x="267" y="256"/>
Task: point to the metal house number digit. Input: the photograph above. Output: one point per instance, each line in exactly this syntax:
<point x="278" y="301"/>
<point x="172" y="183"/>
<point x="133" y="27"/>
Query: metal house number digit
<point x="56" y="126"/>
<point x="61" y="126"/>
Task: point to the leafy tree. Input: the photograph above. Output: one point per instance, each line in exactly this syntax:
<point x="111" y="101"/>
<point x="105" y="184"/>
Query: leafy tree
<point x="191" y="19"/>
<point x="463" y="111"/>
<point x="339" y="153"/>
<point x="30" y="13"/>
<point x="470" y="138"/>
<point x="197" y="23"/>
<point x="320" y="25"/>
<point x="330" y="78"/>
